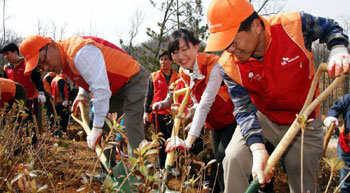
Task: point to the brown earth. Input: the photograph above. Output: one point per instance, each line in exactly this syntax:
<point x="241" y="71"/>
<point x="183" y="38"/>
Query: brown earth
<point x="67" y="159"/>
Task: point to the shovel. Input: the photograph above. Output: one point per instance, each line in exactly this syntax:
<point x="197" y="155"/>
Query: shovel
<point x="169" y="162"/>
<point x="118" y="174"/>
<point x="293" y="130"/>
<point x="35" y="122"/>
<point x="54" y="109"/>
<point x="327" y="137"/>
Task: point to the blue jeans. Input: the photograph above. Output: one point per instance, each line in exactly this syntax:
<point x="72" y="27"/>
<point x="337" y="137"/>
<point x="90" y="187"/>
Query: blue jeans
<point x="344" y="156"/>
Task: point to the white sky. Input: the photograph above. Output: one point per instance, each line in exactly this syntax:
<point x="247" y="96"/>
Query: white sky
<point x="108" y="18"/>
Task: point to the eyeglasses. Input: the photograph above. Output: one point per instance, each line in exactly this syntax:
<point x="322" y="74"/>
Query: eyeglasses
<point x="44" y="60"/>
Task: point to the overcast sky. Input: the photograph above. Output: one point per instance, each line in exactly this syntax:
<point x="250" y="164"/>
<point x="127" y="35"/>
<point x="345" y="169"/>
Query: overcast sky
<point x="108" y="18"/>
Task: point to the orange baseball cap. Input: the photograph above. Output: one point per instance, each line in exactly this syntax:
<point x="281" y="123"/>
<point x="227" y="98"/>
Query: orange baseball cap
<point x="29" y="49"/>
<point x="224" y="18"/>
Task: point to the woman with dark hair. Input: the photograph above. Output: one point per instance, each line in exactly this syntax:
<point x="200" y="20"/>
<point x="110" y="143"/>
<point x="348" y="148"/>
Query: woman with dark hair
<point x="200" y="72"/>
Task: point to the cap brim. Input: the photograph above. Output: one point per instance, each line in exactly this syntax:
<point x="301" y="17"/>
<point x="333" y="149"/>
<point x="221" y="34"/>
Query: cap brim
<point x="220" y="40"/>
<point x="31" y="64"/>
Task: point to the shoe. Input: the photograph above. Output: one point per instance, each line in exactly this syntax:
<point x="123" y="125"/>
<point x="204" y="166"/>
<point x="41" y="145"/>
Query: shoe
<point x="99" y="178"/>
<point x="175" y="172"/>
<point x="206" y="185"/>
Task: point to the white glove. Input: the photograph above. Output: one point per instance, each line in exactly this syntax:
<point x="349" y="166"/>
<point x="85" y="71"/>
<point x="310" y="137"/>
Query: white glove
<point x="175" y="142"/>
<point x="339" y="60"/>
<point x="260" y="157"/>
<point x="41" y="97"/>
<point x="145" y="118"/>
<point x="93" y="137"/>
<point x="65" y="103"/>
<point x="157" y="106"/>
<point x="78" y="98"/>
<point x="329" y="120"/>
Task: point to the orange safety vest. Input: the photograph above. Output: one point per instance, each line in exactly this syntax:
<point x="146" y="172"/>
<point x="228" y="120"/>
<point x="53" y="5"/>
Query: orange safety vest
<point x="119" y="65"/>
<point x="47" y="85"/>
<point x="278" y="85"/>
<point x="8" y="90"/>
<point x="221" y="111"/>
<point x="55" y="91"/>
<point x="160" y="88"/>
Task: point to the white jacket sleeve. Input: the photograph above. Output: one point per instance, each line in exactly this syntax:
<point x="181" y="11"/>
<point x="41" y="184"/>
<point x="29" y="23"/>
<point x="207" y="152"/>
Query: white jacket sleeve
<point x="207" y="99"/>
<point x="89" y="61"/>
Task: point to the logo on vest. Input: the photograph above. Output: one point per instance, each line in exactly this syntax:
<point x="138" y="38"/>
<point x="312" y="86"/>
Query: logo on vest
<point x="286" y="60"/>
<point x="255" y="76"/>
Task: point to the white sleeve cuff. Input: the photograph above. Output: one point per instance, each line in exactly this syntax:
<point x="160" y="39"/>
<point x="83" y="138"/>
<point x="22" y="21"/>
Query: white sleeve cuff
<point x="98" y="121"/>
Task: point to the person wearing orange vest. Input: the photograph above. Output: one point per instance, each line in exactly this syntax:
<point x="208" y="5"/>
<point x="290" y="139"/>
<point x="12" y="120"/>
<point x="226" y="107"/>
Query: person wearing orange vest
<point x="11" y="91"/>
<point x="213" y="107"/>
<point x="59" y="93"/>
<point x="158" y="84"/>
<point x="116" y="80"/>
<point x="14" y="70"/>
<point x="342" y="106"/>
<point x="47" y="86"/>
<point x="268" y="68"/>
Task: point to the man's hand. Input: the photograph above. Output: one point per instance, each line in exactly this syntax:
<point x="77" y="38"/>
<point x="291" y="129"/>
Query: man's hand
<point x="339" y="60"/>
<point x="94" y="137"/>
<point x="41" y="97"/>
<point x="65" y="103"/>
<point x="157" y="106"/>
<point x="175" y="142"/>
<point x="79" y="98"/>
<point x="260" y="157"/>
<point x="329" y="120"/>
<point x="145" y="118"/>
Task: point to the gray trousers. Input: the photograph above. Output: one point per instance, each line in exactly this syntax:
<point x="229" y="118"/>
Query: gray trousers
<point x="238" y="160"/>
<point x="130" y="102"/>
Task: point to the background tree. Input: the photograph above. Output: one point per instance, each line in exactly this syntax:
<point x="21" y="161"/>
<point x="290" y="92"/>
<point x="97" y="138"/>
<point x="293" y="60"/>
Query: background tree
<point x="135" y="22"/>
<point x="176" y="14"/>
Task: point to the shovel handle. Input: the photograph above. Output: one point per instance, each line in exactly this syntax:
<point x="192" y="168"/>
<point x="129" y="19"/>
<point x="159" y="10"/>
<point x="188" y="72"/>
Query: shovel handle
<point x="293" y="130"/>
<point x="53" y="108"/>
<point x="84" y="123"/>
<point x="327" y="137"/>
<point x="175" y="131"/>
<point x="35" y="122"/>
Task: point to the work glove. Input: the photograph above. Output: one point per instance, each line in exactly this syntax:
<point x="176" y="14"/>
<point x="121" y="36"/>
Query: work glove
<point x="145" y="118"/>
<point x="185" y="114"/>
<point x="94" y="137"/>
<point x="175" y="142"/>
<point x="65" y="103"/>
<point x="339" y="60"/>
<point x="79" y="98"/>
<point x="158" y="106"/>
<point x="329" y="120"/>
<point x="260" y="157"/>
<point x="41" y="97"/>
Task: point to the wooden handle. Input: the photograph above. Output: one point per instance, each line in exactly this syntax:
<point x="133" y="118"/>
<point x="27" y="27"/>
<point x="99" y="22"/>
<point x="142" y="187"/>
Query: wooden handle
<point x="175" y="132"/>
<point x="327" y="137"/>
<point x="84" y="123"/>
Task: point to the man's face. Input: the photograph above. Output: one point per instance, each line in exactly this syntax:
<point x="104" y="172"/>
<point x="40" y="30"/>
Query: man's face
<point x="11" y="57"/>
<point x="185" y="56"/>
<point x="49" y="59"/>
<point x="243" y="45"/>
<point x="165" y="62"/>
